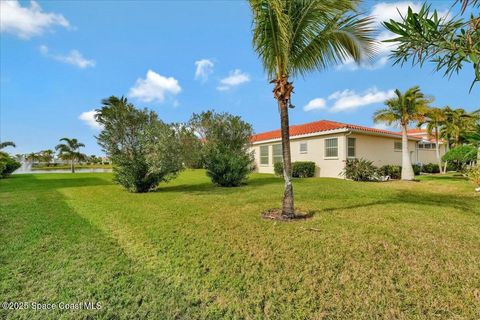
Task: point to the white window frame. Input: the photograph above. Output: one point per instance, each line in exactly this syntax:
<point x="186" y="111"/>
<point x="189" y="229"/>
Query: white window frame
<point x="277" y="156"/>
<point x="306" y="147"/>
<point x="263" y="156"/>
<point x="395" y="145"/>
<point x="350" y="147"/>
<point x="326" y="147"/>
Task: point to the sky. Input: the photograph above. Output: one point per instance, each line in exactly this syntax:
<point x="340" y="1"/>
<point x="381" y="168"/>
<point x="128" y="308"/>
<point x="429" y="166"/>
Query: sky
<point x="59" y="59"/>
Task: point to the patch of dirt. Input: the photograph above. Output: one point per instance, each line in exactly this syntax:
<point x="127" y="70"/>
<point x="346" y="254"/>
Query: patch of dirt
<point x="276" y="214"/>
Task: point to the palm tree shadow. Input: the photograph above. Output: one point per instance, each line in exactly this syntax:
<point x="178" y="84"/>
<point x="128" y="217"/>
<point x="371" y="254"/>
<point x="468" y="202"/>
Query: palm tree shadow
<point x="460" y="203"/>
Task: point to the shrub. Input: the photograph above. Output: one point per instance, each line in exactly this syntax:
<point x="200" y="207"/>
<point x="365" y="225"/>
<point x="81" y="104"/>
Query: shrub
<point x="460" y="156"/>
<point x="431" y="168"/>
<point x="143" y="150"/>
<point x="394" y="172"/>
<point x="359" y="170"/>
<point x="225" y="151"/>
<point x="300" y="169"/>
<point x="278" y="168"/>
<point x="7" y="165"/>
<point x="474" y="175"/>
<point x="416" y="169"/>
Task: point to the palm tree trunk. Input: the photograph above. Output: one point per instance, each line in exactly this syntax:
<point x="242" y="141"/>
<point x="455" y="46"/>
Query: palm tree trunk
<point x="72" y="166"/>
<point x="437" y="150"/>
<point x="287" y="206"/>
<point x="407" y="170"/>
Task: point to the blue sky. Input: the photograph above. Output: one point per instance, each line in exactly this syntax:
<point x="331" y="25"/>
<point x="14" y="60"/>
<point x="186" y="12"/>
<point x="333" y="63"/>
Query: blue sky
<point x="58" y="59"/>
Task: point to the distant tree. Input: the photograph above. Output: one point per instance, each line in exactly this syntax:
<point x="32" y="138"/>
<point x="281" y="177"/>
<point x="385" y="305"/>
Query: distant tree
<point x="7" y="165"/>
<point x="144" y="151"/>
<point x="6" y="144"/>
<point x="70" y="150"/>
<point x="191" y="146"/>
<point x="461" y="156"/>
<point x="46" y="156"/>
<point x="225" y="151"/>
<point x="404" y="109"/>
<point x="434" y="119"/>
<point x="296" y="37"/>
<point x="32" y="157"/>
<point x="457" y="123"/>
<point x="449" y="43"/>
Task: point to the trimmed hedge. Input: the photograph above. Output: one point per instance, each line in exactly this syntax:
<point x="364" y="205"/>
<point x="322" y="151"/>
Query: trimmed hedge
<point x="431" y="168"/>
<point x="395" y="172"/>
<point x="300" y="169"/>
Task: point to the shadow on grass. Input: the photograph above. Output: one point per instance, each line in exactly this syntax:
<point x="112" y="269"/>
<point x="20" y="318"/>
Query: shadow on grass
<point x="209" y="187"/>
<point x="461" y="203"/>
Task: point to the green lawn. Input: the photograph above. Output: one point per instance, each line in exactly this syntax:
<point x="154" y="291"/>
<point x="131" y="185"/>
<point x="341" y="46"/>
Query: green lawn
<point x="190" y="250"/>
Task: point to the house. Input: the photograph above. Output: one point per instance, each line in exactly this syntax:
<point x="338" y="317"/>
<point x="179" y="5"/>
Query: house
<point x="329" y="144"/>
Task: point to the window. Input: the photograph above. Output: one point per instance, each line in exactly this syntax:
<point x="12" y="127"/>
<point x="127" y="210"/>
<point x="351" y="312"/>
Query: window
<point x="351" y="147"/>
<point x="397" y="145"/>
<point x="331" y="148"/>
<point x="420" y="145"/>
<point x="277" y="153"/>
<point x="303" y="147"/>
<point x="264" y="155"/>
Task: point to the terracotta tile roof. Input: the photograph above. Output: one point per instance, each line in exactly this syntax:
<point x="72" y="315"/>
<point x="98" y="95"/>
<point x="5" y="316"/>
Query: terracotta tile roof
<point x="416" y="131"/>
<point x="319" y="126"/>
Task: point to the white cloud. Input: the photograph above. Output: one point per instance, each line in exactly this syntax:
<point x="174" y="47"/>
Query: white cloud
<point x="235" y="78"/>
<point x="154" y="88"/>
<point x="204" y="68"/>
<point x="349" y="100"/>
<point x="74" y="57"/>
<point x="26" y="22"/>
<point x="89" y="118"/>
<point x="315" y="104"/>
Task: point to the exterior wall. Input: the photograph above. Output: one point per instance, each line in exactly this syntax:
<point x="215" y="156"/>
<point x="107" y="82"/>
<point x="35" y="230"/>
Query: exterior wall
<point x="325" y="167"/>
<point x="381" y="150"/>
<point x="426" y="156"/>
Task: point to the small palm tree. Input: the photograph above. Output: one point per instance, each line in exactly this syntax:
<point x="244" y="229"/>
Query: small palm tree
<point x="457" y="123"/>
<point x="70" y="150"/>
<point x="295" y="37"/>
<point x="7" y="144"/>
<point x="434" y="119"/>
<point x="404" y="109"/>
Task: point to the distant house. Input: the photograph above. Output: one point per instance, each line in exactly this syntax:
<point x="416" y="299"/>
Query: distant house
<point x="329" y="144"/>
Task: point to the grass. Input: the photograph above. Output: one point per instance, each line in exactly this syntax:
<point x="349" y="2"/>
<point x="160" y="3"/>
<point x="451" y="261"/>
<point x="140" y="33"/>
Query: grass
<point x="190" y="250"/>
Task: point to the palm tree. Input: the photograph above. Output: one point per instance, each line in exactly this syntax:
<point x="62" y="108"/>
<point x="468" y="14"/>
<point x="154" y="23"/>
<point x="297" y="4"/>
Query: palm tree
<point x="404" y="109"/>
<point x="70" y="150"/>
<point x="7" y="144"/>
<point x="434" y="119"/>
<point x="295" y="37"/>
<point x="458" y="122"/>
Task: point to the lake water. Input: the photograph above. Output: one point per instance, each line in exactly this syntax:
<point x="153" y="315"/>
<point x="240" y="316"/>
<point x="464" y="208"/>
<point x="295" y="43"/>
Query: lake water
<point x="27" y="168"/>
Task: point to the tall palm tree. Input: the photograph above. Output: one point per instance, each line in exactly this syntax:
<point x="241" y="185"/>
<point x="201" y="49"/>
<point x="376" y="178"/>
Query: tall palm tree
<point x="434" y="119"/>
<point x="404" y="109"/>
<point x="7" y="144"/>
<point x="295" y="37"/>
<point x="458" y="122"/>
<point x="70" y="150"/>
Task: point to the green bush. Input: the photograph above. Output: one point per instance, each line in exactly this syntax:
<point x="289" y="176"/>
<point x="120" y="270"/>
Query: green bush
<point x="144" y="151"/>
<point x="278" y="168"/>
<point x="359" y="170"/>
<point x="431" y="168"/>
<point x="7" y="165"/>
<point x="300" y="169"/>
<point x="474" y="175"/>
<point x="461" y="156"/>
<point x="394" y="172"/>
<point x="303" y="169"/>
<point x="225" y="150"/>
<point x="416" y="169"/>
